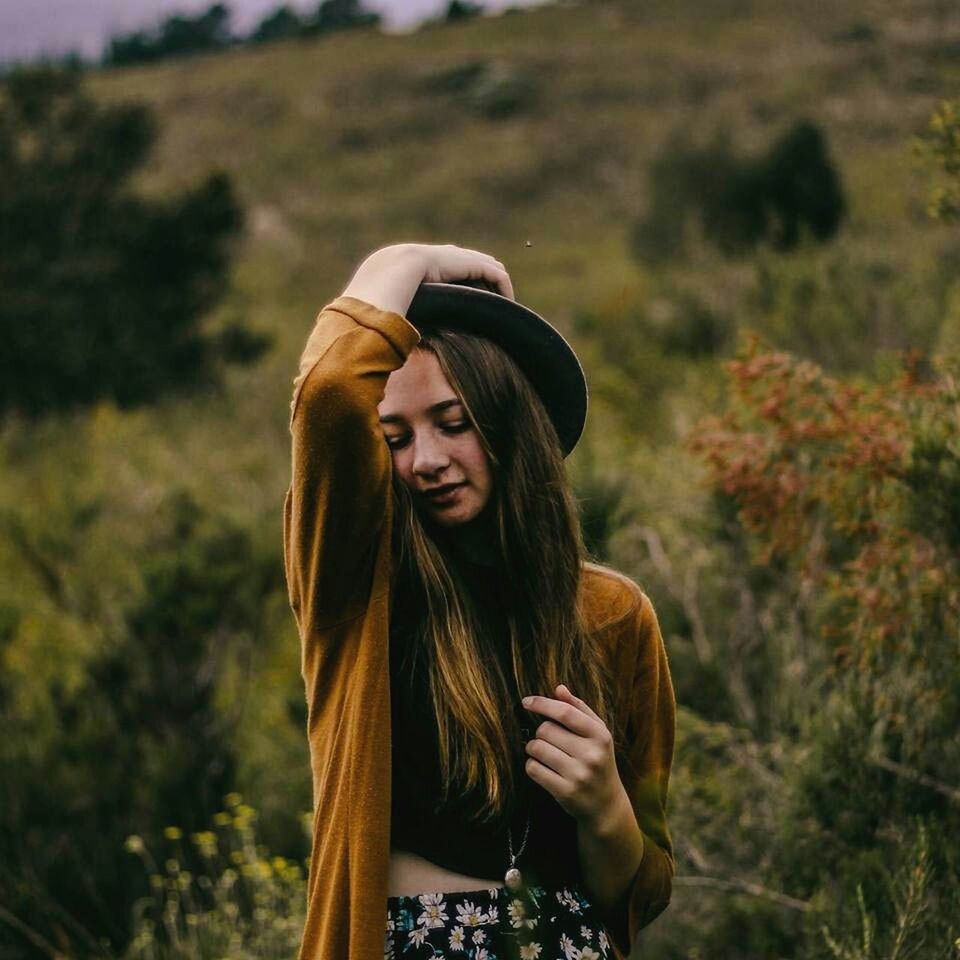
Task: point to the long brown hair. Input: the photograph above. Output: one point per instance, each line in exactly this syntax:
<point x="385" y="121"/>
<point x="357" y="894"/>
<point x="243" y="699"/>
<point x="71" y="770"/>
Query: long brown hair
<point x="541" y="552"/>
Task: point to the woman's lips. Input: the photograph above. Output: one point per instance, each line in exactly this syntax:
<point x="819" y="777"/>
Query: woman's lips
<point x="447" y="496"/>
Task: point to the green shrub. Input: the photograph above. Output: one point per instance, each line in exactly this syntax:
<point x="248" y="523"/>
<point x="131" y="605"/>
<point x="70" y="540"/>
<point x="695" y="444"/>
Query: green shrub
<point x="492" y="89"/>
<point x="120" y="284"/>
<point x="220" y="896"/>
<point x="941" y="149"/>
<point x="845" y="311"/>
<point x="141" y="737"/>
<point x="791" y="192"/>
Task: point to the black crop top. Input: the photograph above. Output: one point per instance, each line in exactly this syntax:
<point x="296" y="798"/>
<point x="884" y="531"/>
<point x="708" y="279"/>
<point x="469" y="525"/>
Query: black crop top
<point x="447" y="837"/>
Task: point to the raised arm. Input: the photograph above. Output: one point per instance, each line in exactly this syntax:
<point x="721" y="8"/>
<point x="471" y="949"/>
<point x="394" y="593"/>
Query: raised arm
<point x="337" y="500"/>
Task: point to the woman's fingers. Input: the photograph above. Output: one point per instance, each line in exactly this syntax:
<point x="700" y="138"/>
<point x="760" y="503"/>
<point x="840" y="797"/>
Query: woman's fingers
<point x="448" y="263"/>
<point x="493" y="271"/>
<point x="506" y="287"/>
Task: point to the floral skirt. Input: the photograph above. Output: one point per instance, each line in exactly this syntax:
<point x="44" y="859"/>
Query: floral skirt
<point x="539" y="923"/>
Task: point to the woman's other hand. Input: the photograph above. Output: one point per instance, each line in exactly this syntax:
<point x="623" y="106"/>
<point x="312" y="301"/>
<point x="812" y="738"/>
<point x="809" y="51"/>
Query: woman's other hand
<point x="572" y="757"/>
<point x="389" y="277"/>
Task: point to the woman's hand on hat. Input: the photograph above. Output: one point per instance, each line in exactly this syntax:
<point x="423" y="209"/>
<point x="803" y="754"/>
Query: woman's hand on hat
<point x="448" y="263"/>
<point x="390" y="276"/>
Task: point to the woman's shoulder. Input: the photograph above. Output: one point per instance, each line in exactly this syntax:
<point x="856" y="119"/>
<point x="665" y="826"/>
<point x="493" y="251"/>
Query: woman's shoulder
<point x="610" y="597"/>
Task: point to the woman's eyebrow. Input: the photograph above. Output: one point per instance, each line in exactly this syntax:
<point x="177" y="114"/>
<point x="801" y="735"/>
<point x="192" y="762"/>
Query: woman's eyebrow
<point x="433" y="408"/>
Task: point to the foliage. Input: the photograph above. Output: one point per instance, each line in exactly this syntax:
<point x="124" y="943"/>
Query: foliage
<point x="847" y="312"/>
<point x="237" y="901"/>
<point x="726" y="799"/>
<point x="143" y="739"/>
<point x="284" y="22"/>
<point x="462" y="10"/>
<point x="209" y="31"/>
<point x="177" y="36"/>
<point x="339" y="15"/>
<point x="493" y="89"/>
<point x="832" y="480"/>
<point x="941" y="148"/>
<point x="279" y="24"/>
<point x="907" y="895"/>
<point x="824" y="472"/>
<point x="638" y="345"/>
<point x="791" y="787"/>
<point x="101" y="291"/>
<point x="791" y="191"/>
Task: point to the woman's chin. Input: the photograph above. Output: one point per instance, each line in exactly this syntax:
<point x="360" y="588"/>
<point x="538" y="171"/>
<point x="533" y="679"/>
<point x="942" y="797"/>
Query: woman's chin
<point x="465" y="507"/>
<point x="453" y="516"/>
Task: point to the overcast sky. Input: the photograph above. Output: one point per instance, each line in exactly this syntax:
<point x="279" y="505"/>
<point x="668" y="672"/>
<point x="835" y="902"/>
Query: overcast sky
<point x="30" y="28"/>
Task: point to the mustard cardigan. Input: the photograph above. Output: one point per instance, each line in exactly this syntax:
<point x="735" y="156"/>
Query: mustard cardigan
<point x="337" y="519"/>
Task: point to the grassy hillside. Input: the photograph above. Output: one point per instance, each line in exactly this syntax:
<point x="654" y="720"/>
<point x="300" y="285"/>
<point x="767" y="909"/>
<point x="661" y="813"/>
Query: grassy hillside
<point x="344" y="144"/>
<point x="352" y="141"/>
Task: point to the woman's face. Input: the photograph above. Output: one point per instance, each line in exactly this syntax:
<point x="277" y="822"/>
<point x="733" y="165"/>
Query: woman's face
<point x="432" y="441"/>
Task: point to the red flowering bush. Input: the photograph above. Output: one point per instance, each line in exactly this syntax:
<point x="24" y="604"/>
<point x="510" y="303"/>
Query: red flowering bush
<point x="849" y="492"/>
<point x="854" y="486"/>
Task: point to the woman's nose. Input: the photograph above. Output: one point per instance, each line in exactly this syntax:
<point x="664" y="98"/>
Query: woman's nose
<point x="428" y="456"/>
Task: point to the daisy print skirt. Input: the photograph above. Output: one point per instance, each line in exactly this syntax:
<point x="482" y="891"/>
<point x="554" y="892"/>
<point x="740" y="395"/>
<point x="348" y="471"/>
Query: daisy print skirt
<point x="538" y="923"/>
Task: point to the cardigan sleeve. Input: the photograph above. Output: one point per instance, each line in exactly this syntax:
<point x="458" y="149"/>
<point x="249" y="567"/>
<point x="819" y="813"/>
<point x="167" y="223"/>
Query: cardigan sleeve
<point x="650" y="735"/>
<point x="340" y="480"/>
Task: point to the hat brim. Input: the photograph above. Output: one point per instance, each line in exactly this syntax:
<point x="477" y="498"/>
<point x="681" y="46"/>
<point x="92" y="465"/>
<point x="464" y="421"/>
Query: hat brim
<point x="538" y="348"/>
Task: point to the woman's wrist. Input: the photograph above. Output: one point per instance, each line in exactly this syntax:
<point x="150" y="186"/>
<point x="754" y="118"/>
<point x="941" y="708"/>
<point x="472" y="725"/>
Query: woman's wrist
<point x="389" y="278"/>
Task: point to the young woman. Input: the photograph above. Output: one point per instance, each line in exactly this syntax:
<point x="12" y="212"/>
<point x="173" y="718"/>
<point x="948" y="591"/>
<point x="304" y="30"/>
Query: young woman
<point x="490" y="715"/>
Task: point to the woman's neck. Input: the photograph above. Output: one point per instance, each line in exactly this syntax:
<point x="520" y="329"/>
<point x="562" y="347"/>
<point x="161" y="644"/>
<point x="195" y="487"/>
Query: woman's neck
<point x="476" y="541"/>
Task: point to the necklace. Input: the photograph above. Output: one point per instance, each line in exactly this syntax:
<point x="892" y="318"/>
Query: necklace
<point x="513" y="878"/>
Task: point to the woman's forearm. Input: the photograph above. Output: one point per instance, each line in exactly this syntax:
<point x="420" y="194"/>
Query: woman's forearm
<point x="389" y="277"/>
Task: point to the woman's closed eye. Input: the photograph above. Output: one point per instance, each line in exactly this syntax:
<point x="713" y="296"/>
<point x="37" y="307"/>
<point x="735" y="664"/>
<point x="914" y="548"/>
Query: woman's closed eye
<point x="401" y="439"/>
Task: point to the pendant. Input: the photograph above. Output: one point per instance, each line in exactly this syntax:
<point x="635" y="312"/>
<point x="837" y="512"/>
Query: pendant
<point x="513" y="880"/>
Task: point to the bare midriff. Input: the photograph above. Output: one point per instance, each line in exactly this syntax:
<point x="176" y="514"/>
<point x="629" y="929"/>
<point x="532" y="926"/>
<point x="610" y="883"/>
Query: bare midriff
<point x="411" y="874"/>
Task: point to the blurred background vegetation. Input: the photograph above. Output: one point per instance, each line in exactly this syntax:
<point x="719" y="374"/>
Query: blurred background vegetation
<point x="744" y="216"/>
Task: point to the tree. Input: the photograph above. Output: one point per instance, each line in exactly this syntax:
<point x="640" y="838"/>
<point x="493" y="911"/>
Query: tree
<point x="101" y="291"/>
<point x="790" y="190"/>
<point x="278" y="25"/>
<point x="176" y="36"/>
<point x="340" y="15"/>
<point x="462" y="10"/>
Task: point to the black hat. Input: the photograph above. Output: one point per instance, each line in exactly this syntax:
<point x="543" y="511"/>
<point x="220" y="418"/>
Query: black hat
<point x="537" y="347"/>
